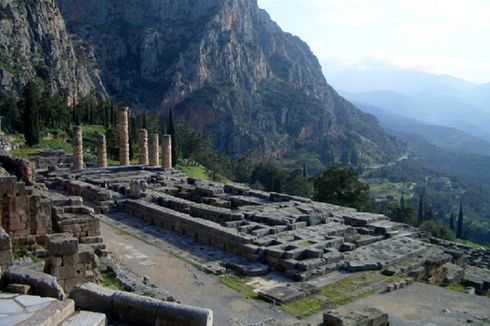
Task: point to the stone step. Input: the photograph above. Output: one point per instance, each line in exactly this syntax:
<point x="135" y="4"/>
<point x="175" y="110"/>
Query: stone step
<point x="52" y="315"/>
<point x="85" y="318"/>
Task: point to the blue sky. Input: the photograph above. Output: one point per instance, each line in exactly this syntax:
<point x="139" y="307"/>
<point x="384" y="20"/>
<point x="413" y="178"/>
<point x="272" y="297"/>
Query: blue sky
<point x="438" y="36"/>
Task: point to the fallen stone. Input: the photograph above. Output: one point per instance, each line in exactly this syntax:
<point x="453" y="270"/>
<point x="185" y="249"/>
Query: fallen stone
<point x="41" y="284"/>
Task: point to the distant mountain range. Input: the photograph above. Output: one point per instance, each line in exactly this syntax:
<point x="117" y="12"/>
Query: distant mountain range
<point x="433" y="99"/>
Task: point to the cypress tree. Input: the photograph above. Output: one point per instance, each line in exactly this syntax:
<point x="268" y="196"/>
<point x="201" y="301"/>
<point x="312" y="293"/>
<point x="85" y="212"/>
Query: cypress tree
<point x="459" y="231"/>
<point x="171" y="132"/>
<point x="420" y="216"/>
<point x="32" y="98"/>
<point x="451" y="221"/>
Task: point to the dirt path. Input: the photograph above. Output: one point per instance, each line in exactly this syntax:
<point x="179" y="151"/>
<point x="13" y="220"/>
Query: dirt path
<point x="185" y="282"/>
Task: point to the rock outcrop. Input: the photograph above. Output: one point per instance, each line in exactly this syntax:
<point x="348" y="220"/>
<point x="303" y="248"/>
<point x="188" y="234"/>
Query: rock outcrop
<point x="228" y="69"/>
<point x="34" y="43"/>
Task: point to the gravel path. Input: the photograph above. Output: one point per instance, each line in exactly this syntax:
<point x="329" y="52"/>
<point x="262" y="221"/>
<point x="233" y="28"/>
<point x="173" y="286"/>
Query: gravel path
<point x="185" y="282"/>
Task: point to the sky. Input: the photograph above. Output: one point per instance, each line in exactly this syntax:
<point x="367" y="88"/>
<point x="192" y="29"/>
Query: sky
<point x="439" y="36"/>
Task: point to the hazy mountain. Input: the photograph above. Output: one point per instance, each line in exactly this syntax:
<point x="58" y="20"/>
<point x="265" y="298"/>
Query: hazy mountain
<point x="409" y="83"/>
<point x="447" y="138"/>
<point x="479" y="96"/>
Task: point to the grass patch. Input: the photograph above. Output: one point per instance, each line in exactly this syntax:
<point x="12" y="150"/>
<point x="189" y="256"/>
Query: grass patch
<point x="455" y="287"/>
<point x="26" y="152"/>
<point x="238" y="283"/>
<point x="108" y="279"/>
<point x="339" y="293"/>
<point x="196" y="170"/>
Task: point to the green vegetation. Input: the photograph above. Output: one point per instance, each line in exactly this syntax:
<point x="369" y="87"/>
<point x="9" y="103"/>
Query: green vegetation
<point x="239" y="283"/>
<point x="341" y="187"/>
<point x="339" y="293"/>
<point x="456" y="287"/>
<point x="108" y="279"/>
<point x="438" y="229"/>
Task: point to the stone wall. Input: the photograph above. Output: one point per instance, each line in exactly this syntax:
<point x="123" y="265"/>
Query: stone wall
<point x="69" y="262"/>
<point x="5" y="250"/>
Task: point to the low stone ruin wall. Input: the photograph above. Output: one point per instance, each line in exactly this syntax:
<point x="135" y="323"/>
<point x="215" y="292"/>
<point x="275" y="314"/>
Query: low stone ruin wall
<point x="199" y="229"/>
<point x="138" y="310"/>
<point x="5" y="250"/>
<point x="68" y="261"/>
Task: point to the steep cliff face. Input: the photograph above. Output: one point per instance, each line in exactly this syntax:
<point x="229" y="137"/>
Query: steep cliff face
<point x="228" y="69"/>
<point x="34" y="43"/>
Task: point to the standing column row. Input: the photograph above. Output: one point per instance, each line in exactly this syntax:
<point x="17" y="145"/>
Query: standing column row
<point x="147" y="155"/>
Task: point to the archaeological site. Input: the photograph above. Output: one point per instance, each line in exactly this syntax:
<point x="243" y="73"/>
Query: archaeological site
<point x="93" y="244"/>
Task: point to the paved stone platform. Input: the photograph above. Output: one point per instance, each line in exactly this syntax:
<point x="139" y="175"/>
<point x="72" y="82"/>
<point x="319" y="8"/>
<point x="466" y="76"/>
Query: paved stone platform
<point x="299" y="237"/>
<point x="15" y="308"/>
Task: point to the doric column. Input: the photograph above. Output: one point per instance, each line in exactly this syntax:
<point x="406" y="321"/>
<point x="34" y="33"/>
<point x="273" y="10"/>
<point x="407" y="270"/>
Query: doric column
<point x="77" y="148"/>
<point x="143" y="146"/>
<point x="154" y="149"/>
<point x="167" y="151"/>
<point x="123" y="136"/>
<point x="101" y="151"/>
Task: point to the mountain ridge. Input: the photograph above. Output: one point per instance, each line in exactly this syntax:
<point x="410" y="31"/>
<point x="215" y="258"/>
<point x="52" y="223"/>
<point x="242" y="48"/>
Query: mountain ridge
<point x="229" y="70"/>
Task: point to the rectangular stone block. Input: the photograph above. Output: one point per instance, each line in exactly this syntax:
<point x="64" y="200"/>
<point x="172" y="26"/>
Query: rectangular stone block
<point x="62" y="244"/>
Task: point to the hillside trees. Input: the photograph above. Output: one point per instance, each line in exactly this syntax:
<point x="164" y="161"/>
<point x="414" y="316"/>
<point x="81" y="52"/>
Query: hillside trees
<point x="341" y="187"/>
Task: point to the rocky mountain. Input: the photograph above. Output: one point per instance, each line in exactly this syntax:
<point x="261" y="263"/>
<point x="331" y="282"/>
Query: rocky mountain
<point x="34" y="43"/>
<point x="223" y="65"/>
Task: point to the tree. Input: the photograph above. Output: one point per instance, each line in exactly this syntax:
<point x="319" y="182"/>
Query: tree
<point x="438" y="229"/>
<point x="171" y="132"/>
<point x="451" y="221"/>
<point x="297" y="184"/>
<point x="403" y="212"/>
<point x="459" y="230"/>
<point x="269" y="177"/>
<point x="354" y="158"/>
<point x="341" y="187"/>
<point x="420" y="215"/>
<point x="32" y="100"/>
<point x="10" y="112"/>
<point x="345" y="157"/>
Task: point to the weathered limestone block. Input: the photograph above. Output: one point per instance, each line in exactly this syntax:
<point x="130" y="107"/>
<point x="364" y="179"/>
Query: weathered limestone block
<point x="365" y="316"/>
<point x="77" y="148"/>
<point x="21" y="168"/>
<point x="5" y="250"/>
<point x="70" y="266"/>
<point x="61" y="244"/>
<point x="93" y="297"/>
<point x="143" y="146"/>
<point x="137" y="188"/>
<point x="101" y="151"/>
<point x="41" y="284"/>
<point x="167" y="152"/>
<point x="139" y="310"/>
<point x="154" y="150"/>
<point x="123" y="136"/>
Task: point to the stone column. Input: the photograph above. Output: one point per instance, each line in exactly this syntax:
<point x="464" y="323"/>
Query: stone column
<point x="101" y="151"/>
<point x="77" y="148"/>
<point x="123" y="137"/>
<point x="143" y="146"/>
<point x="154" y="148"/>
<point x="167" y="152"/>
